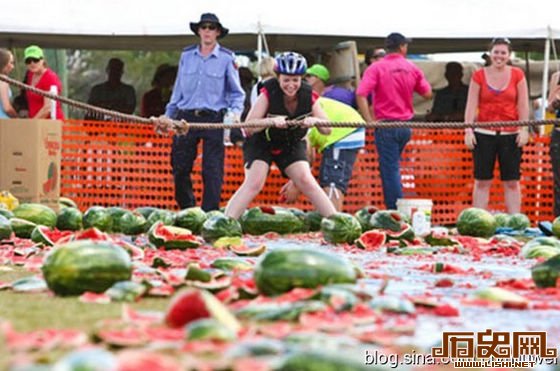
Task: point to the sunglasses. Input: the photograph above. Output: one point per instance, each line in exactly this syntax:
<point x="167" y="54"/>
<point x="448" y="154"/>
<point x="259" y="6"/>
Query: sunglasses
<point x="32" y="60"/>
<point x="208" y="26"/>
<point x="501" y="40"/>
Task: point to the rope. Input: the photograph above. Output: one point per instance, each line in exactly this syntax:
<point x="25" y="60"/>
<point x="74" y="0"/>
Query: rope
<point x="183" y="126"/>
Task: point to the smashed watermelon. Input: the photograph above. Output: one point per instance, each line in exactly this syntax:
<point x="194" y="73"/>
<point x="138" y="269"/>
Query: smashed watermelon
<point x="171" y="237"/>
<point x="372" y="240"/>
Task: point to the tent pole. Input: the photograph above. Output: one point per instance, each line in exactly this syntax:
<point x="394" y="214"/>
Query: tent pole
<point x="545" y="78"/>
<point x="259" y="44"/>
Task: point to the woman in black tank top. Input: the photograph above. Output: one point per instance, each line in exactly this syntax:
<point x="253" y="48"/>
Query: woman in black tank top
<point x="284" y="98"/>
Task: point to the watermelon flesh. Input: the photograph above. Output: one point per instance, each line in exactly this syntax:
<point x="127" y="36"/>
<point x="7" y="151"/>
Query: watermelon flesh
<point x="372" y="240"/>
<point x="170" y="237"/>
<point x="193" y="304"/>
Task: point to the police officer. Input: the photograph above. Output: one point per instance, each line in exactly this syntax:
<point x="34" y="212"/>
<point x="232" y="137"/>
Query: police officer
<point x="207" y="85"/>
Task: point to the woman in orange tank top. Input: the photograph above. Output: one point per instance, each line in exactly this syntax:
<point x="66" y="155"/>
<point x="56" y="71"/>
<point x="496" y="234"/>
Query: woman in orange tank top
<point x="497" y="93"/>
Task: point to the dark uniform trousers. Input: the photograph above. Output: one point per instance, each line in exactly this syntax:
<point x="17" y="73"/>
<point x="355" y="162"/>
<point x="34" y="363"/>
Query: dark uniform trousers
<point x="184" y="153"/>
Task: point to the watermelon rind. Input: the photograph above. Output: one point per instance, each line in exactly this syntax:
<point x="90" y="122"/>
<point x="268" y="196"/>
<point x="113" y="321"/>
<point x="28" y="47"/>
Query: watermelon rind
<point x="518" y="222"/>
<point x="98" y="217"/>
<point x="546" y="274"/>
<point x="36" y="213"/>
<point x="256" y="221"/>
<point x="209" y="329"/>
<point x="218" y="226"/>
<point x="282" y="270"/>
<point x="341" y="228"/>
<point x="86" y="265"/>
<point x="22" y="228"/>
<point x="191" y="218"/>
<point x="69" y="219"/>
<point x="556" y="227"/>
<point x="5" y="228"/>
<point x="371" y="240"/>
<point x="476" y="222"/>
<point x="132" y="223"/>
<point x="161" y="235"/>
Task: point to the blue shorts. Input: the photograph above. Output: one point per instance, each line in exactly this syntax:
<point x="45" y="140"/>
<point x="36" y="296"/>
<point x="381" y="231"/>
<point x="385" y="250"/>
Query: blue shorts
<point x="336" y="167"/>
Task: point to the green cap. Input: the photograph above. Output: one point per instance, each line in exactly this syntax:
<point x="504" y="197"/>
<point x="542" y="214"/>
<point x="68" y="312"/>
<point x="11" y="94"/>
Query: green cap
<point x="320" y="71"/>
<point x="33" y="51"/>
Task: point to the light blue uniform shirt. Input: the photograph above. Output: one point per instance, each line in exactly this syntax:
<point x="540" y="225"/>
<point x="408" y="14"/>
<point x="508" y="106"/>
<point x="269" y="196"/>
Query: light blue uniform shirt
<point x="210" y="82"/>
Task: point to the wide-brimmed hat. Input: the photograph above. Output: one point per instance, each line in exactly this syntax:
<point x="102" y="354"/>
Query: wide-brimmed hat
<point x="209" y="18"/>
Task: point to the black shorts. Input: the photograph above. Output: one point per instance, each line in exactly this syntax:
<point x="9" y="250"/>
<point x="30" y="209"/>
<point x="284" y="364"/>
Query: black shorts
<point x="258" y="148"/>
<point x="337" y="170"/>
<point x="504" y="147"/>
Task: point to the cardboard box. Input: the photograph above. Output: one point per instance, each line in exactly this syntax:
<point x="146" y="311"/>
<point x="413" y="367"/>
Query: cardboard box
<point x="30" y="160"/>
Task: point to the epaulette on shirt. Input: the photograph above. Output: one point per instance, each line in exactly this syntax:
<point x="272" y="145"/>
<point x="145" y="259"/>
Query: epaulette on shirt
<point x="227" y="51"/>
<point x="190" y="47"/>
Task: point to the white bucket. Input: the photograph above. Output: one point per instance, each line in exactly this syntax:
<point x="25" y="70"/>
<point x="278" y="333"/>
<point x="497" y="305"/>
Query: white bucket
<point x="419" y="210"/>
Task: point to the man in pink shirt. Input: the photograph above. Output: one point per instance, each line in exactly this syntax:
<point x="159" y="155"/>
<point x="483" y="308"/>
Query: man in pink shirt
<point x="392" y="82"/>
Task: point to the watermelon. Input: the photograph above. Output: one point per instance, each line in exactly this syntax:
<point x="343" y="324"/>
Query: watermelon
<point x="146" y="211"/>
<point x="87" y="360"/>
<point x="5" y="229"/>
<point x="86" y="265"/>
<point x="315" y="360"/>
<point x="6" y="213"/>
<point x="499" y="295"/>
<point x="556" y="227"/>
<point x="406" y="233"/>
<point x="341" y="228"/>
<point x="165" y="216"/>
<point x="302" y="216"/>
<point x="440" y="239"/>
<point x="371" y="240"/>
<point x="132" y="223"/>
<point x="64" y="202"/>
<point x="313" y="221"/>
<point x="22" y="228"/>
<point x="116" y="213"/>
<point x="69" y="219"/>
<point x="98" y="217"/>
<point x="502" y="219"/>
<point x="264" y="219"/>
<point x="541" y="247"/>
<point x="128" y="291"/>
<point x="36" y="213"/>
<point x="387" y="220"/>
<point x="218" y="226"/>
<point x="476" y="222"/>
<point x="244" y="250"/>
<point x="192" y="304"/>
<point x="546" y="274"/>
<point x="281" y="270"/>
<point x="48" y="237"/>
<point x="232" y="264"/>
<point x="171" y="237"/>
<point x="191" y="219"/>
<point x="209" y="329"/>
<point x="364" y="216"/>
<point x="519" y="222"/>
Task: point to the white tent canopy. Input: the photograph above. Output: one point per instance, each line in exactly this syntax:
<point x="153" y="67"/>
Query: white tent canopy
<point x="435" y="25"/>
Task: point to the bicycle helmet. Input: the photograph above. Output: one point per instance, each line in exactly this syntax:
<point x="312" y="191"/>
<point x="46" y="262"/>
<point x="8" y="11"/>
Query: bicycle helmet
<point x="290" y="63"/>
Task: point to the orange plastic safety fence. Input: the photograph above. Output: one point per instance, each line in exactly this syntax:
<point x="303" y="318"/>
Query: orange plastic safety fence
<point x="128" y="165"/>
